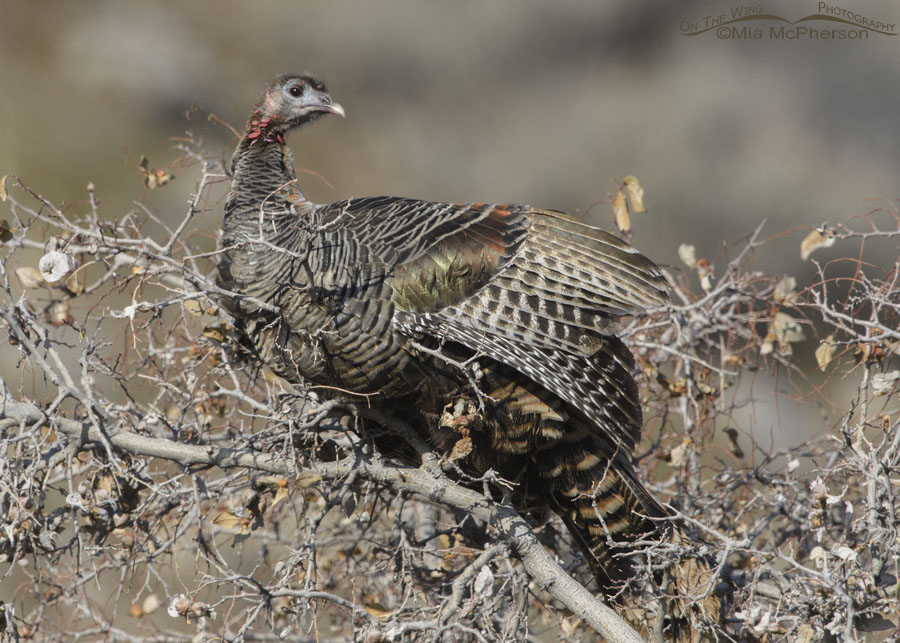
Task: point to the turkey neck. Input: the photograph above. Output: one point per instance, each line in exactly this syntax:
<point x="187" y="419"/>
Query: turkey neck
<point x="265" y="214"/>
<point x="263" y="174"/>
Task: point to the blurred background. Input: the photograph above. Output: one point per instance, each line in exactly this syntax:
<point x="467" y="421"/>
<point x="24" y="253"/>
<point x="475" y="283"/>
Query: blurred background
<point x="524" y="101"/>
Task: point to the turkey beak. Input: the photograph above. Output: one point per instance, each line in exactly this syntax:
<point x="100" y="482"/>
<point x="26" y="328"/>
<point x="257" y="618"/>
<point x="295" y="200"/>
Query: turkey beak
<point x="332" y="108"/>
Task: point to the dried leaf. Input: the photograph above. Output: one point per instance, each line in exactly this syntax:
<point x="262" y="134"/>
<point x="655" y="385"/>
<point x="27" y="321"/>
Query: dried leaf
<point x="620" y="207"/>
<point x="55" y="265"/>
<point x="816" y="553"/>
<point x="844" y="553"/>
<point x="258" y="506"/>
<point x="688" y="254"/>
<point x="484" y="582"/>
<point x="5" y="231"/>
<point x="884" y="383"/>
<point x="76" y="500"/>
<point x="273" y="483"/>
<point x="635" y="194"/>
<point x="813" y="241"/>
<point x="153" y="176"/>
<point x="179" y="605"/>
<point x="892" y="346"/>
<point x="151" y="604"/>
<point x="819" y="489"/>
<point x="677" y="387"/>
<point x="59" y="314"/>
<point x="104" y="482"/>
<point x="733" y="360"/>
<point x="349" y="503"/>
<point x="461" y="449"/>
<point x="785" y="349"/>
<point x="192" y="306"/>
<point x="305" y="480"/>
<point x="678" y="455"/>
<point x="785" y="291"/>
<point x="787" y="329"/>
<point x="232" y="522"/>
<point x="704" y="271"/>
<point x="3" y="195"/>
<point x="379" y="611"/>
<point x="704" y="389"/>
<point x="136" y="611"/>
<point x="825" y="352"/>
<point x="569" y="626"/>
<point x="158" y="178"/>
<point x="30" y="277"/>
<point x="280" y="495"/>
<point x="270" y="483"/>
<point x="457" y="415"/>
<point x="215" y="333"/>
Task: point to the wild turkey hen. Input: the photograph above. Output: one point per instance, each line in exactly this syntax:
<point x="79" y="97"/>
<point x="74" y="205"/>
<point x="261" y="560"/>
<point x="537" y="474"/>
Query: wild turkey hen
<point x="382" y="296"/>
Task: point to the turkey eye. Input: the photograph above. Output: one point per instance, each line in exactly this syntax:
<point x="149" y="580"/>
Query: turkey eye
<point x="296" y="91"/>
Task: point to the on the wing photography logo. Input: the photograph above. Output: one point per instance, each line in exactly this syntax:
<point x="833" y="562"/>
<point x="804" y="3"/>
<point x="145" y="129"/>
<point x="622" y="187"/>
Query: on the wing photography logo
<point x="753" y="22"/>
